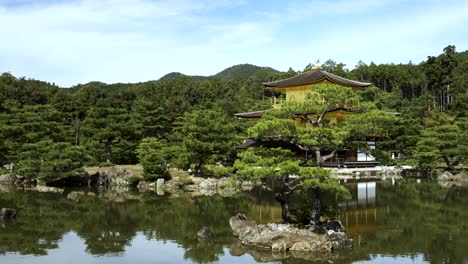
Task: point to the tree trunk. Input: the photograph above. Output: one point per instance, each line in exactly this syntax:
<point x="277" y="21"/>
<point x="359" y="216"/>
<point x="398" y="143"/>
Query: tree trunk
<point x="77" y="127"/>
<point x="318" y="156"/>
<point x="321" y="159"/>
<point x="317" y="210"/>
<point x="449" y="164"/>
<point x="109" y="151"/>
<point x="283" y="199"/>
<point x="198" y="167"/>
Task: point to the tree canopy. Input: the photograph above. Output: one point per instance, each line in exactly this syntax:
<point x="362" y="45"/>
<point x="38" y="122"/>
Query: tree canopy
<point x="108" y="121"/>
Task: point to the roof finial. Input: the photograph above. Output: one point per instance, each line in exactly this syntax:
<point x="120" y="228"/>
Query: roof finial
<point x="317" y="66"/>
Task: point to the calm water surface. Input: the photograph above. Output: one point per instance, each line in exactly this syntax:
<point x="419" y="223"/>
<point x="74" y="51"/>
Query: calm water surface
<point x="400" y="222"/>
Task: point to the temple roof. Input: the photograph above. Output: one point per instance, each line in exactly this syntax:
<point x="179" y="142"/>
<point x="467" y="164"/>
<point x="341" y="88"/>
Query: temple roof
<point x="315" y="76"/>
<point x="256" y="114"/>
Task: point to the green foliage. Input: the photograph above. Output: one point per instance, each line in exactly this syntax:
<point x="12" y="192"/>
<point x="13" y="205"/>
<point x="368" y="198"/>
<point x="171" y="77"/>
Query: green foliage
<point x="279" y="128"/>
<point x="49" y="160"/>
<point x="134" y="180"/>
<point x="445" y="143"/>
<point x="259" y="163"/>
<point x="244" y="71"/>
<point x="109" y="120"/>
<point x="109" y="127"/>
<point x="150" y="154"/>
<point x="208" y="136"/>
<point x="282" y="168"/>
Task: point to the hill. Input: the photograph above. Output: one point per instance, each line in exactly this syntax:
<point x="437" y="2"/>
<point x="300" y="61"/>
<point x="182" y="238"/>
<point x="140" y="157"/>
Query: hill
<point x="174" y="75"/>
<point x="244" y="71"/>
<point x="236" y="72"/>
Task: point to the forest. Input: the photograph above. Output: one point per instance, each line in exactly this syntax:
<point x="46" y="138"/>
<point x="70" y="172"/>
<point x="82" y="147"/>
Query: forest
<point x="184" y="122"/>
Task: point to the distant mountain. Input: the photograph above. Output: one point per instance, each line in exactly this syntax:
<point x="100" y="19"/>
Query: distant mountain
<point x="244" y="71"/>
<point x="175" y="75"/>
<point x="171" y="76"/>
<point x="236" y="72"/>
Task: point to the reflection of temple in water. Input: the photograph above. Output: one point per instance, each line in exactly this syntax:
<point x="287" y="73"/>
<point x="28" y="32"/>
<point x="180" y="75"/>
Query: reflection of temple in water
<point x="362" y="213"/>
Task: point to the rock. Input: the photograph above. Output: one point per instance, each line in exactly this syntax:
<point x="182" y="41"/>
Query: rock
<point x="7" y="213"/>
<point x="120" y="188"/>
<point x="28" y="183"/>
<point x="239" y="223"/>
<point x="43" y="188"/>
<point x="228" y="191"/>
<point x="115" y="176"/>
<point x="461" y="177"/>
<point x="445" y="176"/>
<point x="196" y="180"/>
<point x="8" y="178"/>
<point x="334" y="225"/>
<point x="144" y="186"/>
<point x="119" y="182"/>
<point x="116" y="197"/>
<point x="247" y="185"/>
<point x="191" y="188"/>
<point x="7" y="187"/>
<point x="328" y="225"/>
<point x="287" y="237"/>
<point x="160" y="184"/>
<point x="74" y="196"/>
<point x="171" y="187"/>
<point x="279" y="246"/>
<point x="208" y="186"/>
<point x="205" y="232"/>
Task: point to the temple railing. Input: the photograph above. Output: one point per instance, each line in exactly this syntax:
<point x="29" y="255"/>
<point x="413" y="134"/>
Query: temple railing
<point x="277" y="101"/>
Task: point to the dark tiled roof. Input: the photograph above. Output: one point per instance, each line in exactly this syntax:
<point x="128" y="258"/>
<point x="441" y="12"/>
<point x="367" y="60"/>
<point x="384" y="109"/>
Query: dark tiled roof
<point x="256" y="114"/>
<point x="313" y="77"/>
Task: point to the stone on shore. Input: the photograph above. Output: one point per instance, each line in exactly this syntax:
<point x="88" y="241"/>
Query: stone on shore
<point x="205" y="232"/>
<point x="287" y="237"/>
<point x="7" y="213"/>
<point x="144" y="186"/>
<point x="448" y="176"/>
<point x="8" y="178"/>
<point x="160" y="183"/>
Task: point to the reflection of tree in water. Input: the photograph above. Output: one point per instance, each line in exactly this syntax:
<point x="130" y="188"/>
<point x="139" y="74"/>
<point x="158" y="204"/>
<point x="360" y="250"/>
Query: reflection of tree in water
<point x="181" y="218"/>
<point x="107" y="227"/>
<point x="429" y="219"/>
<point x="421" y="218"/>
<point x="36" y="229"/>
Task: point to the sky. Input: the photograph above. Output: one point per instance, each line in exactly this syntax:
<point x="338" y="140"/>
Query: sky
<point x="68" y="42"/>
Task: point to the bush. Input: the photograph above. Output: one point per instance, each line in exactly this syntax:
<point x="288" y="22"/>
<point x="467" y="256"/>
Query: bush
<point x="152" y="159"/>
<point x="134" y="180"/>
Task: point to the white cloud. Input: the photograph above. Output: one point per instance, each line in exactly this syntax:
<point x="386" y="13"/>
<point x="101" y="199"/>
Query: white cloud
<point x="128" y="41"/>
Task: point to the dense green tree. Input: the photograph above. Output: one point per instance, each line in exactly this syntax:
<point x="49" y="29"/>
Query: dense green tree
<point x="332" y="66"/>
<point x="208" y="136"/>
<point x="152" y="158"/>
<point x="283" y="169"/>
<point x="447" y="143"/>
<point x="32" y="111"/>
<point x="106" y="128"/>
<point x="48" y="160"/>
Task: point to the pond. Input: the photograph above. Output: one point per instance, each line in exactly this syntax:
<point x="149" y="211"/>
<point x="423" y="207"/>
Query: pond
<point x="403" y="221"/>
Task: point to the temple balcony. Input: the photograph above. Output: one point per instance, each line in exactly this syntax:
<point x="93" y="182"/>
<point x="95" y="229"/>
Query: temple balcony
<point x="277" y="101"/>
